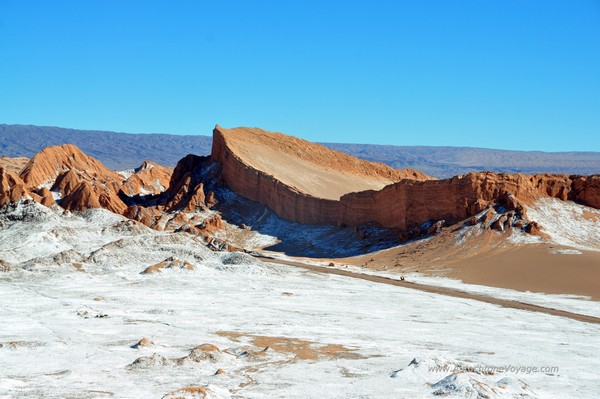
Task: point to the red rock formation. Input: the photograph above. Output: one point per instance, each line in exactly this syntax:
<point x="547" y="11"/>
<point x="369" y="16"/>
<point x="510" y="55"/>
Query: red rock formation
<point x="185" y="195"/>
<point x="410" y="203"/>
<point x="85" y="183"/>
<point x="81" y="198"/>
<point x="66" y="182"/>
<point x="46" y="165"/>
<point x="149" y="179"/>
<point x="403" y="204"/>
<point x="46" y="197"/>
<point x="12" y="188"/>
<point x="186" y="190"/>
<point x="82" y="181"/>
<point x="587" y="190"/>
<point x="299" y="180"/>
<point x="66" y="168"/>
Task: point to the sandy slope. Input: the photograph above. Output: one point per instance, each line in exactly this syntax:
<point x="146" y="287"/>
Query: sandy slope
<point x="563" y="262"/>
<point x="540" y="267"/>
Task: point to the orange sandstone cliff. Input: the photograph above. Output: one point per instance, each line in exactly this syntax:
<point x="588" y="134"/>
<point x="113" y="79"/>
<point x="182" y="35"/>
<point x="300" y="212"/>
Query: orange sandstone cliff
<point x="308" y="183"/>
<point x="409" y="203"/>
<point x="299" y="180"/>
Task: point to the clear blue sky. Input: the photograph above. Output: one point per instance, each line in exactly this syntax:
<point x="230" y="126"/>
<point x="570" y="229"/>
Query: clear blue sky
<point x="515" y="74"/>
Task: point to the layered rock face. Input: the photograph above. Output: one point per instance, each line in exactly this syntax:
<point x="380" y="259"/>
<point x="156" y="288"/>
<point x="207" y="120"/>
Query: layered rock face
<point x="297" y="180"/>
<point x="410" y="203"/>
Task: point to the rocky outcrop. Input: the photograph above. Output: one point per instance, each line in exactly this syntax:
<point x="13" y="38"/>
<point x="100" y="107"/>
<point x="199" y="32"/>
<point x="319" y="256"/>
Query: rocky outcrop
<point x="80" y="181"/>
<point x="410" y="203"/>
<point x="299" y="180"/>
<point x="185" y="194"/>
<point x="12" y="188"/>
<point x="587" y="190"/>
<point x="81" y="198"/>
<point x="46" y="197"/>
<point x="186" y="188"/>
<point x="149" y="179"/>
<point x="408" y="200"/>
<point x="49" y="163"/>
<point x="169" y="263"/>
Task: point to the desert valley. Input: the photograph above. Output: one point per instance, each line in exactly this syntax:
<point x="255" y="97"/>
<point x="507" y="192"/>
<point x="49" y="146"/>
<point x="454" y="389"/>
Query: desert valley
<point x="278" y="267"/>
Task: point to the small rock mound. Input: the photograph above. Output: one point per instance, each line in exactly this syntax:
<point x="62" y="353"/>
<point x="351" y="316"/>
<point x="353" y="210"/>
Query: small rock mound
<point x="188" y="392"/>
<point x="238" y="258"/>
<point x="461" y="379"/>
<point x="470" y="385"/>
<point x="205" y="354"/>
<point x="242" y="263"/>
<point x="5" y="266"/>
<point x="142" y="343"/>
<point x="88" y="313"/>
<point x="155" y="360"/>
<point x="169" y="263"/>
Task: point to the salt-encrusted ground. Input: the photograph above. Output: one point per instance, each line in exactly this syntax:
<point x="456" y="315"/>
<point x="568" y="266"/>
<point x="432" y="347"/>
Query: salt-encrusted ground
<point x="74" y="303"/>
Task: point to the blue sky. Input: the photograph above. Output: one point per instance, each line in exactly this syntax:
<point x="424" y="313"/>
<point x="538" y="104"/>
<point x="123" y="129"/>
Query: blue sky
<point x="513" y="74"/>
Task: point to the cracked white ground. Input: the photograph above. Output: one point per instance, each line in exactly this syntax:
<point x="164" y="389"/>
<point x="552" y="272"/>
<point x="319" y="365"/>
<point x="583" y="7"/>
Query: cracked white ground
<point x="74" y="303"/>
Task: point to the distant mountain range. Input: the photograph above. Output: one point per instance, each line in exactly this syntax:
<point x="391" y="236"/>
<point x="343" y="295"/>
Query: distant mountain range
<point x="121" y="151"/>
<point x="118" y="151"/>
